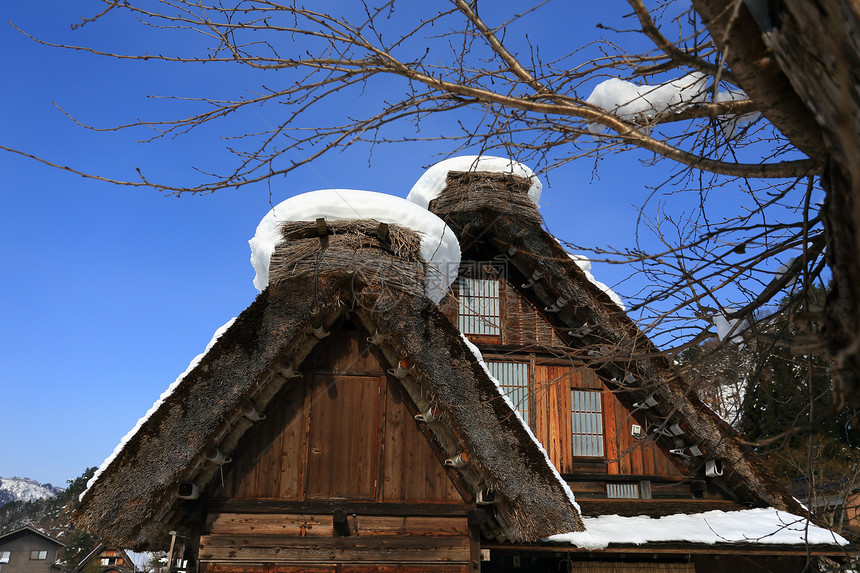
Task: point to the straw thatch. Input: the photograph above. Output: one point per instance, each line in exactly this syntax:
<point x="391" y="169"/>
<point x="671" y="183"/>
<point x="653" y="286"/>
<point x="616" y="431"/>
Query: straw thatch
<point x="343" y="248"/>
<point x="134" y="501"/>
<point x="616" y="345"/>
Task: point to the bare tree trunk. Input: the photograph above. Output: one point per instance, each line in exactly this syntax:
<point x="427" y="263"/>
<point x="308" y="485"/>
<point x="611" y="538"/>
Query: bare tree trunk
<point x="814" y="45"/>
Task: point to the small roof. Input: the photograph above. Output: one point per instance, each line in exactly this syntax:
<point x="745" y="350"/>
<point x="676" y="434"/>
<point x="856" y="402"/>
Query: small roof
<point x="28" y="529"/>
<point x="97" y="550"/>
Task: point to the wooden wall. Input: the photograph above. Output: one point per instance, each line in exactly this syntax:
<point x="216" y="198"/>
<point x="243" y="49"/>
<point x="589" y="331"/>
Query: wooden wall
<point x="340" y="439"/>
<point x="338" y="436"/>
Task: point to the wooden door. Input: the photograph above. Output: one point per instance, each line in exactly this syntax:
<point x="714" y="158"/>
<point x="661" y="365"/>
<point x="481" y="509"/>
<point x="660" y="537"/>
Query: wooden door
<point x="343" y="441"/>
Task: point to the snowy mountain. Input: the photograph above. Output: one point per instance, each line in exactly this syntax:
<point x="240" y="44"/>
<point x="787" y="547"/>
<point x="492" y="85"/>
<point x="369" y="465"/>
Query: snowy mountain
<point x="25" y="489"/>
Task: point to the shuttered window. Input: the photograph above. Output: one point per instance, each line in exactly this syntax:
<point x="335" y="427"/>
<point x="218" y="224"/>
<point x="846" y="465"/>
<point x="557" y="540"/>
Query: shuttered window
<point x="514" y="379"/>
<point x="480" y="307"/>
<point x="586" y="423"/>
<point x="622" y="491"/>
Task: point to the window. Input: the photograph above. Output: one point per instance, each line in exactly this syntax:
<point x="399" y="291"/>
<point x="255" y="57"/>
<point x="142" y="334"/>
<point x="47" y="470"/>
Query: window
<point x="480" y="307"/>
<point x="622" y="491"/>
<point x="587" y="423"/>
<point x="40" y="555"/>
<point x="514" y="379"/>
<point x="4" y="556"/>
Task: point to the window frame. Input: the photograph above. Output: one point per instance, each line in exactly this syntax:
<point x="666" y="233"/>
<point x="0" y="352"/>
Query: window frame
<point x="5" y="556"/>
<point x="482" y="271"/>
<point x="528" y="415"/>
<point x="40" y="555"/>
<point x="600" y="401"/>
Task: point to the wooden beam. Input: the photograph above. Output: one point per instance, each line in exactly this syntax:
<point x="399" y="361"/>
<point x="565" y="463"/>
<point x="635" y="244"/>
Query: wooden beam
<point x="276" y="549"/>
<point x="322" y="228"/>
<point x="328" y="507"/>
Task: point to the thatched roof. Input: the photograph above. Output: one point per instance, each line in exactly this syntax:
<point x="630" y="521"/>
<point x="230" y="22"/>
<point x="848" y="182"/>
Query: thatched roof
<point x="500" y="220"/>
<point x="316" y="277"/>
<point x="134" y="501"/>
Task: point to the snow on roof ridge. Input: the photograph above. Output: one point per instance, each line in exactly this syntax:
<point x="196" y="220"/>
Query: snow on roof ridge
<point x="760" y="525"/>
<point x="433" y="181"/>
<point x="440" y="248"/>
<point x="170" y="389"/>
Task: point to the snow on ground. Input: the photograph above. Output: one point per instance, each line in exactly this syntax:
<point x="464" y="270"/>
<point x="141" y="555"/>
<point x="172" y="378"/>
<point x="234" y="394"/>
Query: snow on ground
<point x="433" y="181"/>
<point x="763" y="525"/>
<point x="157" y="404"/>
<point x="480" y="359"/>
<point x="439" y="246"/>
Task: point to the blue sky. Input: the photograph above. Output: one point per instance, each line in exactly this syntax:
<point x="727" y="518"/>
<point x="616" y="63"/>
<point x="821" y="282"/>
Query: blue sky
<point x="108" y="292"/>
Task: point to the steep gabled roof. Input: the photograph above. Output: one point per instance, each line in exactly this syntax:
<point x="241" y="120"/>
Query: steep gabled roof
<point x="134" y="500"/>
<point x="369" y="272"/>
<point x="129" y="564"/>
<point x="493" y="216"/>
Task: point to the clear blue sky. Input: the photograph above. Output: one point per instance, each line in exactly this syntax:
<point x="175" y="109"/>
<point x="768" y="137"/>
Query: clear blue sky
<point x="108" y="292"/>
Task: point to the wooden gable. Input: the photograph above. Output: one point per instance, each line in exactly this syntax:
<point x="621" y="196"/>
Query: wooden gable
<point x="339" y="472"/>
<point x="592" y="433"/>
<point x="340" y="432"/>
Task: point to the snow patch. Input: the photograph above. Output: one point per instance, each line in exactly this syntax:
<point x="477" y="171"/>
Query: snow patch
<point x="585" y="265"/>
<point x="729" y="326"/>
<point x="25" y="489"/>
<point x="732" y="124"/>
<point x="480" y="359"/>
<point x="439" y="246"/>
<point x="157" y="405"/>
<point x="628" y="101"/>
<point x="763" y="525"/>
<point x="434" y="180"/>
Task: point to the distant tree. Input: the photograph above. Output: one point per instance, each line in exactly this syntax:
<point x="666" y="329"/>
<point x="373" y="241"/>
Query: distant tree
<point x="699" y="80"/>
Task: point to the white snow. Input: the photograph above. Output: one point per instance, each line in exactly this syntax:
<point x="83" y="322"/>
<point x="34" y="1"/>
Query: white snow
<point x="157" y="404"/>
<point x="433" y="181"/>
<point x="726" y="326"/>
<point x="24" y="489"/>
<point x="480" y="359"/>
<point x="585" y="264"/>
<point x="628" y="101"/>
<point x="731" y="124"/>
<point x="439" y="246"/>
<point x="763" y="525"/>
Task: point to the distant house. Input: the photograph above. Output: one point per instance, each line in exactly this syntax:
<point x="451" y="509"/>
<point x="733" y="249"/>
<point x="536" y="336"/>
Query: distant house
<point x="836" y="502"/>
<point x="353" y="420"/>
<point x="105" y="559"/>
<point x="27" y="550"/>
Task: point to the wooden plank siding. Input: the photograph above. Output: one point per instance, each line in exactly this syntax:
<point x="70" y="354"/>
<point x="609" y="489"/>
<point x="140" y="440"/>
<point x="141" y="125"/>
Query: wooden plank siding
<point x="340" y="438"/>
<point x="525" y="330"/>
<point x="371" y="549"/>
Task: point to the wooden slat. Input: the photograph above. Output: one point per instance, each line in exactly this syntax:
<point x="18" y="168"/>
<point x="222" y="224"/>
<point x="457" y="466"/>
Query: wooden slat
<point x="404" y="569"/>
<point x="294" y="449"/>
<point x="342" y="448"/>
<point x="611" y="428"/>
<point x="273" y="549"/>
<point x="320" y="525"/>
<point x="261" y="506"/>
<point x="232" y="568"/>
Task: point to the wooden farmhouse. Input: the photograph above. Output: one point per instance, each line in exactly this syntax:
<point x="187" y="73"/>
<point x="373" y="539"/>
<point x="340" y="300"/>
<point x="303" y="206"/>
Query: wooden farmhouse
<point x="350" y="420"/>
